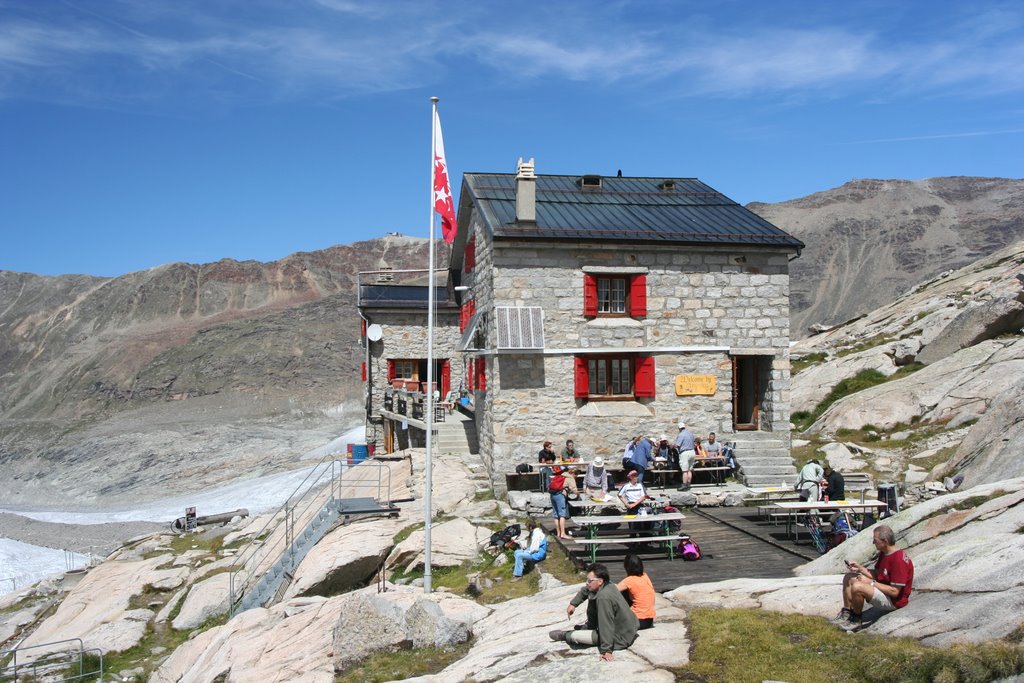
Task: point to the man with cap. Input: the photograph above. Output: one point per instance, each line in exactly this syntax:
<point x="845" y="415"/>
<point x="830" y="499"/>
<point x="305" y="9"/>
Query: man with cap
<point x="687" y="454"/>
<point x="632" y="493"/>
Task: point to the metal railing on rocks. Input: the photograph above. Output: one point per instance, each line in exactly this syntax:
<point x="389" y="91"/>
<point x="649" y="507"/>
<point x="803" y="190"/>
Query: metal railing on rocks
<point x="55" y="662"/>
<point x="267" y="562"/>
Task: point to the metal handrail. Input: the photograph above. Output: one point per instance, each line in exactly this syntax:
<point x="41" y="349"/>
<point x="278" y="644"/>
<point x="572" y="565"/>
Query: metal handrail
<point x="293" y="514"/>
<point x="49" y="661"/>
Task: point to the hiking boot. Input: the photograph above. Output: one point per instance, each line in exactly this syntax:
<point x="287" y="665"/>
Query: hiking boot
<point x="852" y="624"/>
<point x="844" y="615"/>
<point x="557" y="635"/>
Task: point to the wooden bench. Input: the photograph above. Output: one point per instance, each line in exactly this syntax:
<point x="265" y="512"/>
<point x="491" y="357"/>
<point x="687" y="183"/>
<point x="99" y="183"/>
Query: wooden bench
<point x="670" y="542"/>
<point x="716" y="475"/>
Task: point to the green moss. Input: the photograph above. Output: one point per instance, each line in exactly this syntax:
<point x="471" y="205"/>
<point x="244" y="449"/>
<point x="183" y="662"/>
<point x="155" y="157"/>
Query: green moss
<point x="865" y="345"/>
<point x="810" y="360"/>
<point x="755" y="645"/>
<point x="399" y="664"/>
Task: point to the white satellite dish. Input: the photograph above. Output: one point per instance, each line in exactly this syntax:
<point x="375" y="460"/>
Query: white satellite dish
<point x="374" y="332"/>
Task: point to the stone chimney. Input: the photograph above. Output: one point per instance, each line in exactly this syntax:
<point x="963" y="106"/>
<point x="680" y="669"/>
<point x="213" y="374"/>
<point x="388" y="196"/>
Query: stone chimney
<point x="526" y="192"/>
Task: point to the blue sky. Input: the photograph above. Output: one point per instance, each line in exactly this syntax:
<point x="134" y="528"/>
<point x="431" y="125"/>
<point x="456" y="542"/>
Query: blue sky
<point x="139" y="133"/>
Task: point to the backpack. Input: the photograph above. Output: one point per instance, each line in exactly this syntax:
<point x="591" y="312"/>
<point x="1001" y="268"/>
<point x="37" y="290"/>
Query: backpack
<point x="556" y="484"/>
<point x="689" y="549"/>
<point x="524" y="468"/>
<point x="500" y="539"/>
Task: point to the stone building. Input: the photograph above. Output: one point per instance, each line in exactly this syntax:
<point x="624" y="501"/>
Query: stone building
<point x="596" y="308"/>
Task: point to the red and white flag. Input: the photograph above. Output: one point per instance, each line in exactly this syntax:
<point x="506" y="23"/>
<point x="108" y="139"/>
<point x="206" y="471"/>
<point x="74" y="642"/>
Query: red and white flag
<point x="443" y="203"/>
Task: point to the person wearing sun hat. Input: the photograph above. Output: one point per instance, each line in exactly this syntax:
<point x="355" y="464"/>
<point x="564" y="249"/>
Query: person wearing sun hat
<point x="595" y="481"/>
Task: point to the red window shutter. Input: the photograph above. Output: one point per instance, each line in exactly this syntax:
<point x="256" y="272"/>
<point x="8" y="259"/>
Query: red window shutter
<point x="364" y="371"/>
<point x="643" y="385"/>
<point x="589" y="295"/>
<point x="470" y="368"/>
<point x="362" y="330"/>
<point x="391" y="370"/>
<point x="582" y="376"/>
<point x="446" y="378"/>
<point x="462" y="317"/>
<point x="470" y="259"/>
<point x="638" y="296"/>
<point x="481" y="373"/>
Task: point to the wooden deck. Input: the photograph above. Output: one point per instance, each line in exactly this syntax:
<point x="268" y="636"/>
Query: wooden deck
<point x="735" y="544"/>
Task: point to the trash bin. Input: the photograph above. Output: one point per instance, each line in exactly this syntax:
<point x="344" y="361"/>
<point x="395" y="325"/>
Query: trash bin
<point x="360" y="451"/>
<point x="887" y="494"/>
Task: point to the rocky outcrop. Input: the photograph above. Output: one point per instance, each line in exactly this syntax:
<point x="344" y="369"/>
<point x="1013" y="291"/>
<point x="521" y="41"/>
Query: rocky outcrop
<point x="452" y="543"/>
<point x="992" y="449"/>
<point x="985" y="320"/>
<point x="205" y="599"/>
<point x="345" y="558"/>
<point x="966" y="382"/>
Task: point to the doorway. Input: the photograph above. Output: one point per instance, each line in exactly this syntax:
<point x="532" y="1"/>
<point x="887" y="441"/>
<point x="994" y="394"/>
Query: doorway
<point x="750" y="377"/>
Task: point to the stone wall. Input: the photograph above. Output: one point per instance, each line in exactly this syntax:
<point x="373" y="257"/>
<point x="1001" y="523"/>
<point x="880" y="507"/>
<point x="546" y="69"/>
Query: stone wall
<point x="704" y="305"/>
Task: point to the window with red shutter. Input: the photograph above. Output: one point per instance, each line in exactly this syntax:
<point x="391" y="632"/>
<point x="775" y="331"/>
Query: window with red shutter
<point x="391" y="370"/>
<point x="644" y="387"/>
<point x="469" y="262"/>
<point x="638" y="296"/>
<point x="446" y="377"/>
<point x="589" y="295"/>
<point x="582" y="378"/>
<point x="481" y="373"/>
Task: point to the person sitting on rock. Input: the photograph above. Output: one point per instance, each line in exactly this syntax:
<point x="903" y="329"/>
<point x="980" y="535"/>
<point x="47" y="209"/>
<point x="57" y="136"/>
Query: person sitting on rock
<point x="611" y="624"/>
<point x="638" y="590"/>
<point x="886" y="588"/>
<point x="835" y="483"/>
<point x="533" y="548"/>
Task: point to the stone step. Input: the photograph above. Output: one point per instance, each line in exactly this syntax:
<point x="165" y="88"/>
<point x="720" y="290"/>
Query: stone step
<point x="768" y="470"/>
<point x="756" y="460"/>
<point x="758" y="482"/>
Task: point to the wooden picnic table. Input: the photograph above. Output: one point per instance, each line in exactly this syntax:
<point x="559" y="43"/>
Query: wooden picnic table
<point x="794" y="508"/>
<point x="592" y="523"/>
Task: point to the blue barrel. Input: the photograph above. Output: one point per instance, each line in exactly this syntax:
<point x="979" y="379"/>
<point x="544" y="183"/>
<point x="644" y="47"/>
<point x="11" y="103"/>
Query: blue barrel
<point x="360" y="451"/>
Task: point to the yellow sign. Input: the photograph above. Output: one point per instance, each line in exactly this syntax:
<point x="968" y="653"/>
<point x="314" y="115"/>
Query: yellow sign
<point x="696" y="385"/>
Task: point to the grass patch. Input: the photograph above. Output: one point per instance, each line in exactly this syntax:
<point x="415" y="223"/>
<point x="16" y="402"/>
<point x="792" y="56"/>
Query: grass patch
<point x="406" y="532"/>
<point x="399" y="664"/>
<point x="865" y="379"/>
<point x="741" y="645"/>
<point x="810" y="360"/>
<point x="487" y="494"/>
<point x="978" y="501"/>
<point x="865" y="345"/>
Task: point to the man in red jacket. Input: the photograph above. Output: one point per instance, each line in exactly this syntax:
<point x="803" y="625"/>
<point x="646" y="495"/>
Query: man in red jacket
<point x="886" y="588"/>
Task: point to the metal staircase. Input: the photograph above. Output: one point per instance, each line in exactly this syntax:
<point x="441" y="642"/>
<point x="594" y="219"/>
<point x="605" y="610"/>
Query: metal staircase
<point x="265" y="567"/>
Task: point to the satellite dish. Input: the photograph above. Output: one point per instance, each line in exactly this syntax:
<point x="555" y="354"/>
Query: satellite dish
<point x="374" y="332"/>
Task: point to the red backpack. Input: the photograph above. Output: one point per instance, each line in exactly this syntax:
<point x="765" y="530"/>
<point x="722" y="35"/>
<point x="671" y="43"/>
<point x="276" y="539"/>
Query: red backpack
<point x="556" y="483"/>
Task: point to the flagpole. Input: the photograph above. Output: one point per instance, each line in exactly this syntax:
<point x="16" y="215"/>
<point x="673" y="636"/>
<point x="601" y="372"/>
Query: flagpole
<point x="429" y="464"/>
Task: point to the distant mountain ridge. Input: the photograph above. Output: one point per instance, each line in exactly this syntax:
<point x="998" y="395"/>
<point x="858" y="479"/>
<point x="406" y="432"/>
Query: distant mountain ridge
<point x="869" y="241"/>
<point x="167" y="364"/>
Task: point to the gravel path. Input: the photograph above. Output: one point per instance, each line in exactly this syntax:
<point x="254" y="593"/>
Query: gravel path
<point x="99" y="539"/>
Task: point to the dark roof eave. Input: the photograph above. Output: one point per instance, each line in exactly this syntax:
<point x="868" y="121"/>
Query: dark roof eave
<point x="506" y="232"/>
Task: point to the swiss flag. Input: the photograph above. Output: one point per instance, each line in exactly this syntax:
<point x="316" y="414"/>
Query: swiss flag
<point x="442" y="188"/>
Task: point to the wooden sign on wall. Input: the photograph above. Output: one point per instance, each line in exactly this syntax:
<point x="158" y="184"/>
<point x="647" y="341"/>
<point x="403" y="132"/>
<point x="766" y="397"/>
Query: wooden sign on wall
<point x="696" y="385"/>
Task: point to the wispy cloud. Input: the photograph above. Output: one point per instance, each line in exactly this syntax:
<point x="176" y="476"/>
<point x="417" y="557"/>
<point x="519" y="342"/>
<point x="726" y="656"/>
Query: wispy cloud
<point x="939" y="136"/>
<point x="326" y="48"/>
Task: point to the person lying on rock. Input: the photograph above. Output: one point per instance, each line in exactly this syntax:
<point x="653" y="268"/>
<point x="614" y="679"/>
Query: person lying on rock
<point x="886" y="588"/>
<point x="611" y="624"/>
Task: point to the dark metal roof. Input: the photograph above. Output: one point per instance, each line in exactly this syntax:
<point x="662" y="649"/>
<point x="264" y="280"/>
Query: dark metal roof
<point x="623" y="209"/>
<point x="401" y="296"/>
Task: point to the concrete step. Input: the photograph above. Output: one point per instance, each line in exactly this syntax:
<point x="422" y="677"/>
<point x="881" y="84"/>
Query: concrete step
<point x="782" y="470"/>
<point x="758" y="482"/>
<point x="755" y="461"/>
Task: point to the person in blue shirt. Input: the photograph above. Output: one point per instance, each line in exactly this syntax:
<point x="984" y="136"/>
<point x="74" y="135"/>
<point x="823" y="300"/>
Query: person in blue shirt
<point x="642" y="456"/>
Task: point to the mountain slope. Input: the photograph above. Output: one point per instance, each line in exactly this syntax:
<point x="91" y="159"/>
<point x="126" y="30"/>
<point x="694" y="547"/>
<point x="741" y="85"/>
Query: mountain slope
<point x="871" y="240"/>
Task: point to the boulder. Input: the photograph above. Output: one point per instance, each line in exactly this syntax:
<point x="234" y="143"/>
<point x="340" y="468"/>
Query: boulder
<point x="981" y="321"/>
<point x="511" y="644"/>
<point x="347" y="557"/>
<point x="904" y="351"/>
<point x="452" y="543"/>
<point x="732" y="499"/>
<point x="370" y="622"/>
<point x="682" y="499"/>
<point x="205" y="599"/>
<point x="840" y="457"/>
<point x="519" y="500"/>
